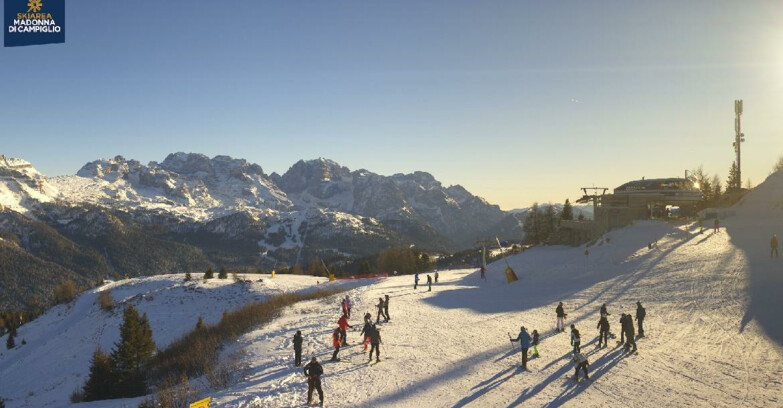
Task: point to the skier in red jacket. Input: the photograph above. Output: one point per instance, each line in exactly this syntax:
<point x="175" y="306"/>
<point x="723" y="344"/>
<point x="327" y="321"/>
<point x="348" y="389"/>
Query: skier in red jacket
<point x="336" y="342"/>
<point x="343" y="323"/>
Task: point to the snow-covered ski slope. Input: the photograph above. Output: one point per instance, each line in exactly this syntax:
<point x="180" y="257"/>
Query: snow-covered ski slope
<point x="713" y="304"/>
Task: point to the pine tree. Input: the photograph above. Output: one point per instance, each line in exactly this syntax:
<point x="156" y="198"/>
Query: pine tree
<point x="364" y="268"/>
<point x="188" y="277"/>
<point x="131" y="354"/>
<point x="200" y="323"/>
<point x="733" y="182"/>
<point x="568" y="211"/>
<point x="222" y="274"/>
<point x="296" y="270"/>
<point x="550" y="221"/>
<point x="530" y="226"/>
<point x="209" y="274"/>
<point x="10" y="342"/>
<point x="101" y="382"/>
<point x="778" y="165"/>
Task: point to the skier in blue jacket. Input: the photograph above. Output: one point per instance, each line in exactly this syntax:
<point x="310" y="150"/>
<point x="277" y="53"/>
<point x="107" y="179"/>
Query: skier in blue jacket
<point x="525" y="341"/>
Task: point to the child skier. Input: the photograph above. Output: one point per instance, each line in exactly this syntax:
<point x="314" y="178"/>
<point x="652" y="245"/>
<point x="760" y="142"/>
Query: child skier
<point x="535" y="343"/>
<point x="575" y="339"/>
<point x="336" y="342"/>
<point x="348" y="306"/>
<point x="366" y="331"/>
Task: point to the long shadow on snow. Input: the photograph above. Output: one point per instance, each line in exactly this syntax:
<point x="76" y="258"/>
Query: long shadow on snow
<point x="537" y="292"/>
<point x="766" y="276"/>
<point x="598" y="368"/>
<point x="458" y="370"/>
<point x="487" y="385"/>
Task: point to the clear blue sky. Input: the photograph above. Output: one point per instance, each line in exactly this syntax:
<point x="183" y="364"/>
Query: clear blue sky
<point x="478" y="93"/>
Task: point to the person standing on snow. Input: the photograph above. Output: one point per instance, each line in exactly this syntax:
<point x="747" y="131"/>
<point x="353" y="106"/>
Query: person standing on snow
<point x="774" y="244"/>
<point x="416" y="281"/>
<point x="344" y="307"/>
<point x="641" y="313"/>
<point x="717" y="225"/>
<point x="298" y="348"/>
<point x="386" y="309"/>
<point x="630" y="336"/>
<point x="429" y="283"/>
<point x="336" y="342"/>
<point x="436" y="276"/>
<point x="343" y="323"/>
<point x="561" y="315"/>
<point x="581" y="362"/>
<point x="375" y="341"/>
<point x="380" y="307"/>
<point x="622" y="328"/>
<point x="348" y="306"/>
<point x="367" y="318"/>
<point x="604" y="313"/>
<point x="366" y="331"/>
<point x="313" y="370"/>
<point x="576" y="339"/>
<point x="524" y="342"/>
<point x="603" y="333"/>
<point x="535" y="343"/>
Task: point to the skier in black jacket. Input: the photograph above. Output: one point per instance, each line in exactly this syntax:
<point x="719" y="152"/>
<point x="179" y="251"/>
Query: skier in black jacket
<point x="603" y="334"/>
<point x="630" y="336"/>
<point x="622" y="328"/>
<point x="298" y="348"/>
<point x="375" y="340"/>
<point x="380" y="306"/>
<point x="640" y="315"/>
<point x="313" y="371"/>
<point x="366" y="331"/>
<point x="386" y="309"/>
<point x="561" y="315"/>
<point x="603" y="310"/>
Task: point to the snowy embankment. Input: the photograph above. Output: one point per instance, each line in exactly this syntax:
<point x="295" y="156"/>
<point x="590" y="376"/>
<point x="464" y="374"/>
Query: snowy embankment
<point x="55" y="359"/>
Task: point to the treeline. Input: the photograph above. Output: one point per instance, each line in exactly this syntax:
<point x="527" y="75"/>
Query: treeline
<point x="543" y="221"/>
<point x="398" y="259"/>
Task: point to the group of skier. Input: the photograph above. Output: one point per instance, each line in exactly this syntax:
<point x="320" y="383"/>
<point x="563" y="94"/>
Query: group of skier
<point x="627" y="339"/>
<point x="370" y="332"/>
<point x="429" y="281"/>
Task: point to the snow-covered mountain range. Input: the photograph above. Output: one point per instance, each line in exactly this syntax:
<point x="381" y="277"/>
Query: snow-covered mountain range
<point x="227" y="211"/>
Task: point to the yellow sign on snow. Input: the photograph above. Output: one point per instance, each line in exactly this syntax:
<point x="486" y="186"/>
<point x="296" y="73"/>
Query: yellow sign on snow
<point x="202" y="404"/>
<point x="331" y="277"/>
<point x="511" y="276"/>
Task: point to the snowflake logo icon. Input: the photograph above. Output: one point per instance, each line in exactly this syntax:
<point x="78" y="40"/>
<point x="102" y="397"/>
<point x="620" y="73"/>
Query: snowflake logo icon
<point x="34" y="5"/>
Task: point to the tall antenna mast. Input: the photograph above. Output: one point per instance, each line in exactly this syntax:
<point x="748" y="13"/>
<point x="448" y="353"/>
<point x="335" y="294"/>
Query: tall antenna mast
<point x="738" y="139"/>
